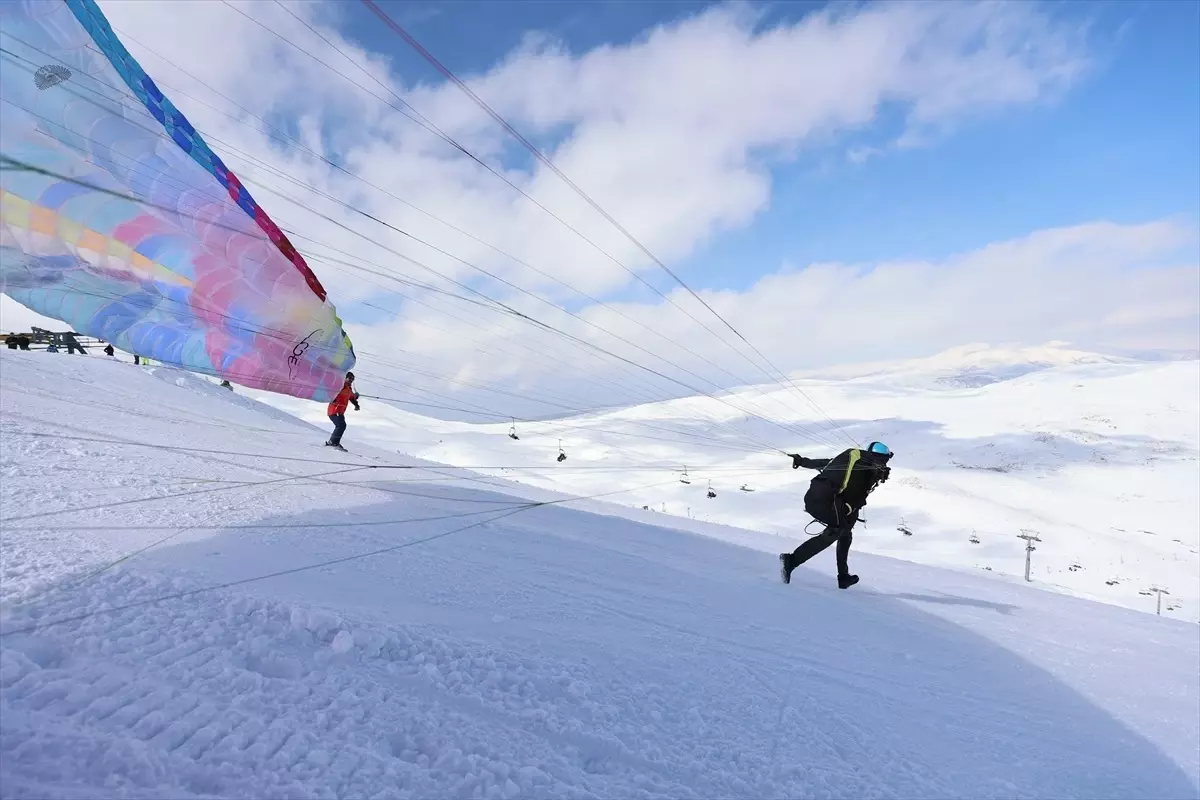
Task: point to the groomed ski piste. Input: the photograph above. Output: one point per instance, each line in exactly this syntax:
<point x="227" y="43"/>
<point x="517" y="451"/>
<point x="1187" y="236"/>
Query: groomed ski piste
<point x="1097" y="455"/>
<point x="197" y="599"/>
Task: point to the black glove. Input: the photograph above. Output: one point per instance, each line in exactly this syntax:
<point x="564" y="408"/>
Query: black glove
<point x="795" y="460"/>
<point x="356" y="407"/>
<point x="884" y="472"/>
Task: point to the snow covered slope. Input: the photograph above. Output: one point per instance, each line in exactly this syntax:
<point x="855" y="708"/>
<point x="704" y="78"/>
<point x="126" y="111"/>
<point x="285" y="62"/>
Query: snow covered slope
<point x="198" y="600"/>
<point x="1098" y="455"/>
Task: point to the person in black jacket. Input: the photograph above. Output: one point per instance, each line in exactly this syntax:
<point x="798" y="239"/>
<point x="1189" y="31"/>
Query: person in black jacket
<point x="834" y="498"/>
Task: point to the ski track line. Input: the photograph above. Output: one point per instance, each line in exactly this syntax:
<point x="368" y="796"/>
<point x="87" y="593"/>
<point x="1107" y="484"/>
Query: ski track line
<point x="194" y="695"/>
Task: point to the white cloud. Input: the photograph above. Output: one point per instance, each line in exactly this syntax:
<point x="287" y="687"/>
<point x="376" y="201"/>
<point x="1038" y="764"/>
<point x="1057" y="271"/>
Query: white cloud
<point x="675" y="134"/>
<point x="672" y="132"/>
<point x="1094" y="284"/>
<point x="1098" y="285"/>
<point x="860" y="154"/>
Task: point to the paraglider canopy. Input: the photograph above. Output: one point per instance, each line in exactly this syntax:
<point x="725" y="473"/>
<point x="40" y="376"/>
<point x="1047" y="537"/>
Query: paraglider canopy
<point x="117" y="218"/>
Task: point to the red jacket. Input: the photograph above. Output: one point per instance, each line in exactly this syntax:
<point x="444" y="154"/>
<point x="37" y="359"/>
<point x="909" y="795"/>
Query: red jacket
<point x="344" y="398"/>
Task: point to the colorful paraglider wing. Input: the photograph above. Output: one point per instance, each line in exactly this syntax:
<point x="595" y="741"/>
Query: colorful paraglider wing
<point x="117" y="218"/>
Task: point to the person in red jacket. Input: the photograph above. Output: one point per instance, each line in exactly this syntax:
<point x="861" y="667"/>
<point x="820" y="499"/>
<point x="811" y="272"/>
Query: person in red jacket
<point x="337" y="411"/>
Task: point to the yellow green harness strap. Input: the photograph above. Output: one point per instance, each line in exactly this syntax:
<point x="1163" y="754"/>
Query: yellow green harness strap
<point x="855" y="455"/>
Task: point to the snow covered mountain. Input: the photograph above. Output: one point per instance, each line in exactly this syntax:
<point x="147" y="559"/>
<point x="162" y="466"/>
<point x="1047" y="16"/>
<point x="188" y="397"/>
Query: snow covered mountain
<point x="1099" y="455"/>
<point x="968" y="366"/>
<point x="197" y="599"/>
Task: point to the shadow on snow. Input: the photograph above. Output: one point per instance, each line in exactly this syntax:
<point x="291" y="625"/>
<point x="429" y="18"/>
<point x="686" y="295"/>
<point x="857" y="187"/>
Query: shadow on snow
<point x="620" y="658"/>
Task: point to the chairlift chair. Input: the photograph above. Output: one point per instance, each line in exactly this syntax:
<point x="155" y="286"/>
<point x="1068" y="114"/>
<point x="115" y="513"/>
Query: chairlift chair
<point x="684" y="477"/>
<point x="746" y="488"/>
<point x="512" y="430"/>
<point x="561" y="455"/>
<point x="711" y="493"/>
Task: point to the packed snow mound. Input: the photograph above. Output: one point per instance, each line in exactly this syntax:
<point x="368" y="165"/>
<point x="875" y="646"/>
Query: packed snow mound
<point x="199" y="600"/>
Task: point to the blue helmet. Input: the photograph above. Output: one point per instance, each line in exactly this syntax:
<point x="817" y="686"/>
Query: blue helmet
<point x="879" y="447"/>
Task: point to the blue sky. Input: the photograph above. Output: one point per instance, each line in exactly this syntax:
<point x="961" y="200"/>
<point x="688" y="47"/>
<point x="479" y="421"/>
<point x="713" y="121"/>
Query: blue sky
<point x="1121" y="145"/>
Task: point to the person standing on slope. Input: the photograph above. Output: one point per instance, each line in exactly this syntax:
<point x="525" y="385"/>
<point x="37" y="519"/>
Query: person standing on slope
<point x="337" y="411"/>
<point x="834" y="498"/>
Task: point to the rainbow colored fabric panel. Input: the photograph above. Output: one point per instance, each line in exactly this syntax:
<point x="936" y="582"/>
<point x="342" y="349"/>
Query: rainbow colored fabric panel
<point x="118" y="219"/>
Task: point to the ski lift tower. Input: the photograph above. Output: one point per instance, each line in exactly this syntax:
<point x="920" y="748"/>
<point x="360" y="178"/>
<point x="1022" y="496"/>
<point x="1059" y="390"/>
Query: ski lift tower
<point x="1160" y="591"/>
<point x="1030" y="537"/>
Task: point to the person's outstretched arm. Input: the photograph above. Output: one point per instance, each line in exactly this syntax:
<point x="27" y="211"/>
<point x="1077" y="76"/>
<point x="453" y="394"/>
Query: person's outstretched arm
<point x="799" y="461"/>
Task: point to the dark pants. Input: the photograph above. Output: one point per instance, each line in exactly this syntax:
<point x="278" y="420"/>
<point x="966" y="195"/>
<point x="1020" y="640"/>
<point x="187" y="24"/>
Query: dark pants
<point x="843" y="537"/>
<point x="339" y="427"/>
<point x="822" y="503"/>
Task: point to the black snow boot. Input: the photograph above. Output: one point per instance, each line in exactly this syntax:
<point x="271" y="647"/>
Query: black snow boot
<point x="785" y="567"/>
<point x="846" y="581"/>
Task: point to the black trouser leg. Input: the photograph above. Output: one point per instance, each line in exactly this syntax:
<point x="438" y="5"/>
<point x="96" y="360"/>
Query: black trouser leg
<point x="816" y="544"/>
<point x="339" y="427"/>
<point x="843" y="552"/>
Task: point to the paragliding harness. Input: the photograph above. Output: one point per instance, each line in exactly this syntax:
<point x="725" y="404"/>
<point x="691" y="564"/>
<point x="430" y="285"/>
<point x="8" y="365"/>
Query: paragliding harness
<point x="814" y="521"/>
<point x="822" y="484"/>
<point x="837" y="517"/>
